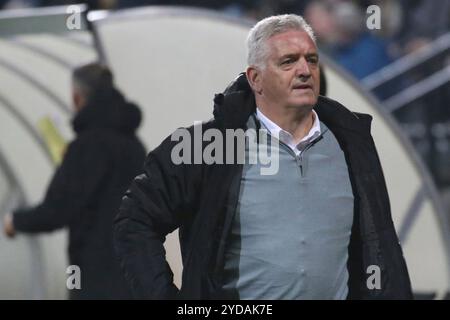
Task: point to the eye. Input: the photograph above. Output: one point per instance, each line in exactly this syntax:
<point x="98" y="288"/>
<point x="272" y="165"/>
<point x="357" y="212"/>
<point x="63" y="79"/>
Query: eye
<point x="287" y="61"/>
<point x="313" y="60"/>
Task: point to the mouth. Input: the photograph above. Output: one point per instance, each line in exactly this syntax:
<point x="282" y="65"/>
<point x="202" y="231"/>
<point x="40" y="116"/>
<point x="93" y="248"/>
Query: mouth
<point x="302" y="87"/>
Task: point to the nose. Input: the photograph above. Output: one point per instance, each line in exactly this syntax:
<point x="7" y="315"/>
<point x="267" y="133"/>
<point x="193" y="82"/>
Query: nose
<point x="303" y="72"/>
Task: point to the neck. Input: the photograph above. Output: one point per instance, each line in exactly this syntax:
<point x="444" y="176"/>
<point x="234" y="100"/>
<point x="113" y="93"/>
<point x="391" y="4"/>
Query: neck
<point x="298" y="121"/>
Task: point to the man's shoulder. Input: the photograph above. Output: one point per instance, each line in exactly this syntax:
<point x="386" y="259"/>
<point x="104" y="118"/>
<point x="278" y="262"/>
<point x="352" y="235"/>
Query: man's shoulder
<point x="93" y="140"/>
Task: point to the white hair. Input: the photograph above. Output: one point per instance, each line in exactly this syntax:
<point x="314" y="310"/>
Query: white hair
<point x="268" y="27"/>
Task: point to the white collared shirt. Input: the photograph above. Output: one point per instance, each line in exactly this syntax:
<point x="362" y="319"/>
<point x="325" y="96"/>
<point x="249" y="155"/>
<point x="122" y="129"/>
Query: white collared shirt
<point x="286" y="137"/>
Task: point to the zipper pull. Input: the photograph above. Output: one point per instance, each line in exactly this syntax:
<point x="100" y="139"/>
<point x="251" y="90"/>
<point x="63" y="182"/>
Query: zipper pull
<point x="300" y="164"/>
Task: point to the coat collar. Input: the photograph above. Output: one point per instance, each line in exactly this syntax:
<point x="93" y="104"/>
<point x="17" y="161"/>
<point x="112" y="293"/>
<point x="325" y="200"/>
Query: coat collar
<point x="108" y="109"/>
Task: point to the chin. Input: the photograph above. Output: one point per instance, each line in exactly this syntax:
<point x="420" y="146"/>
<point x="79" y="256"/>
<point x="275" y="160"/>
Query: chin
<point x="304" y="100"/>
<point x="304" y="103"/>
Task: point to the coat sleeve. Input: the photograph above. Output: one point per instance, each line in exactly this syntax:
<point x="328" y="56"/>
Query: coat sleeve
<point x="398" y="285"/>
<point x="75" y="183"/>
<point x="157" y="202"/>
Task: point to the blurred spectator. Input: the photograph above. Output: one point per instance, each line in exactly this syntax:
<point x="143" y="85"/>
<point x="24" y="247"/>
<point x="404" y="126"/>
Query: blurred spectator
<point x="320" y="16"/>
<point x="86" y="190"/>
<point x="93" y="4"/>
<point x="18" y="4"/>
<point x="423" y="21"/>
<point x="341" y="29"/>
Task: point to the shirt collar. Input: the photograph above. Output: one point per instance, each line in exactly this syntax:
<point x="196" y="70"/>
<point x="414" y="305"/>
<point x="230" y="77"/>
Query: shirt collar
<point x="285" y="136"/>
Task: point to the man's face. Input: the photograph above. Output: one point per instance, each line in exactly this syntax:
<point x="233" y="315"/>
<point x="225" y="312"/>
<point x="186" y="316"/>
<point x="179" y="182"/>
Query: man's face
<point x="290" y="78"/>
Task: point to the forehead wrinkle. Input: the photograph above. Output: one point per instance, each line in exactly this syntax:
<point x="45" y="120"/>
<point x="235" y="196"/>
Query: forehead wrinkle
<point x="290" y="45"/>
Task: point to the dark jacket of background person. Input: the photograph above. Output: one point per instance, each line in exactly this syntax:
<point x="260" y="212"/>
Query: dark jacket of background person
<point x="86" y="191"/>
<point x="196" y="198"/>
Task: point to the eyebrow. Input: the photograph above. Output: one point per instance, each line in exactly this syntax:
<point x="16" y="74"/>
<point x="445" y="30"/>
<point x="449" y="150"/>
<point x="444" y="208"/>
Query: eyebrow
<point x="295" y="55"/>
<point x="289" y="55"/>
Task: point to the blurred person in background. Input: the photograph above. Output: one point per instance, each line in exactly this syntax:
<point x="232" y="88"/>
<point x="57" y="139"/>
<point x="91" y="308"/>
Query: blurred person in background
<point x="342" y="33"/>
<point x="93" y="4"/>
<point x="85" y="192"/>
<point x="422" y="21"/>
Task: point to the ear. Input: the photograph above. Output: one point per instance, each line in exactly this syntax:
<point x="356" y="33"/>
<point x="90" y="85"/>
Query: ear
<point x="254" y="79"/>
<point x="78" y="100"/>
<point x="75" y="99"/>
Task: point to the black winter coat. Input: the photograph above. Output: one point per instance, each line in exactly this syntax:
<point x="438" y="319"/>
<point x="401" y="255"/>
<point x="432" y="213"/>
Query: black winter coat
<point x="86" y="191"/>
<point x="196" y="198"/>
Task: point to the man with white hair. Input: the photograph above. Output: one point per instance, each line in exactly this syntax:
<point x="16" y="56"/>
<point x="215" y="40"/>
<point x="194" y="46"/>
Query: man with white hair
<point x="312" y="230"/>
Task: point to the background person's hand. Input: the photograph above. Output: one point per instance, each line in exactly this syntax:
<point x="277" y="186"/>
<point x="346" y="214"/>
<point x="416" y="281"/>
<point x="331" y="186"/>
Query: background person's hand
<point x="8" y="226"/>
